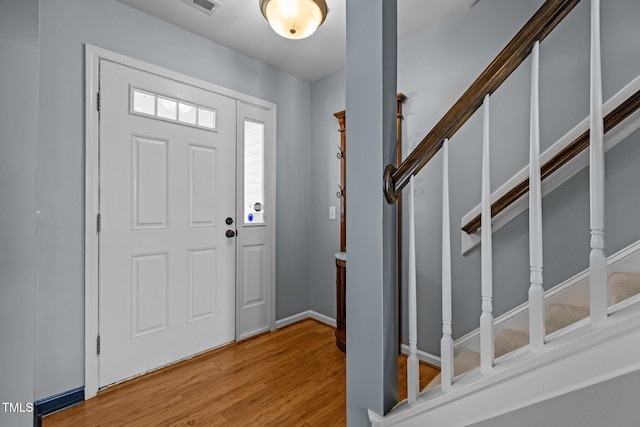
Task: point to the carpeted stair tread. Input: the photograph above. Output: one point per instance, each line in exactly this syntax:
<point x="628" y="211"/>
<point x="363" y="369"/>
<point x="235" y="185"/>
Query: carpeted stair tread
<point x="623" y="286"/>
<point x="508" y="340"/>
<point x="559" y="316"/>
<point x="463" y="362"/>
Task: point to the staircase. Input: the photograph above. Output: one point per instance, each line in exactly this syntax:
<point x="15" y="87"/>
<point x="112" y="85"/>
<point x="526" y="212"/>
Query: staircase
<point x="577" y="354"/>
<point x="554" y="344"/>
<point x="622" y="285"/>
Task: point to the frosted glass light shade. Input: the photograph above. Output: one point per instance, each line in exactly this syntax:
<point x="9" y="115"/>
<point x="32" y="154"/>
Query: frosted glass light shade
<point x="294" y="19"/>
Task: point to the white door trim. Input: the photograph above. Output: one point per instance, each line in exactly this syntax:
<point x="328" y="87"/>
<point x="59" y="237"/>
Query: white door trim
<point x="93" y="55"/>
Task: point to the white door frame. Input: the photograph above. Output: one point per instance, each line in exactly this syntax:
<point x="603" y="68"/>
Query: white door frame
<point x="93" y="55"/>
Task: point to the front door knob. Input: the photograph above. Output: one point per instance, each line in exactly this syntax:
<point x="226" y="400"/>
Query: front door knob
<point x="230" y="233"/>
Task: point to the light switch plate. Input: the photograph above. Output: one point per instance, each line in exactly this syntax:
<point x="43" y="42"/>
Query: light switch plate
<point x="332" y="212"/>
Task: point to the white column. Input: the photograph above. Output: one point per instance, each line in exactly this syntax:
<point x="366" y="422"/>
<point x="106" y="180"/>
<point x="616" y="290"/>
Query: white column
<point x="446" y="343"/>
<point x="599" y="293"/>
<point x="486" y="318"/>
<point x="536" y="292"/>
<point x="413" y="368"/>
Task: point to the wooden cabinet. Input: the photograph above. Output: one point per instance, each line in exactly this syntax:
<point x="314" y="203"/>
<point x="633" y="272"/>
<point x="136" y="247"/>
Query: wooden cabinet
<point x="341" y="311"/>
<point x="341" y="261"/>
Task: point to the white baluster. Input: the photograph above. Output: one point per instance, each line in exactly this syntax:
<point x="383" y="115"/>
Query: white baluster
<point x="486" y="318"/>
<point x="599" y="293"/>
<point x="413" y="368"/>
<point x="536" y="292"/>
<point x="446" y="343"/>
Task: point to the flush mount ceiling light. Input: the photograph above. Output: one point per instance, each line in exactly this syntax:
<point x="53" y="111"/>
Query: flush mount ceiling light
<point x="294" y="19"/>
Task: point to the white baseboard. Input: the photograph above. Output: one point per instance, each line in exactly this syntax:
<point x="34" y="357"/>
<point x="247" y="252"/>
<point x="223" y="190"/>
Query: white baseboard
<point x="292" y="319"/>
<point x="322" y="318"/>
<point x="422" y="355"/>
<point x="309" y="314"/>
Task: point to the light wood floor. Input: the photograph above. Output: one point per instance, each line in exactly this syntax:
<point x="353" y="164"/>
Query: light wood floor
<point x="294" y="376"/>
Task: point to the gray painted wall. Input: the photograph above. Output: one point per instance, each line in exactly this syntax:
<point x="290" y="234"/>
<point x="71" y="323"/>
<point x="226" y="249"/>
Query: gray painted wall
<point x="65" y="26"/>
<point x="18" y="133"/>
<point x="435" y="66"/>
<point x="328" y="97"/>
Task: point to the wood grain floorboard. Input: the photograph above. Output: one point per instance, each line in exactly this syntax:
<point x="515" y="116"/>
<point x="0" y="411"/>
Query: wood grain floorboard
<point x="294" y="376"/>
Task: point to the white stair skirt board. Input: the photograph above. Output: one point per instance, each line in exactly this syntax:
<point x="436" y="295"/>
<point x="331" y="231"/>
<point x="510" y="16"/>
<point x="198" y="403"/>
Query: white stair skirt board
<point x="574" y="290"/>
<point x="309" y="314"/>
<point x="611" y="139"/>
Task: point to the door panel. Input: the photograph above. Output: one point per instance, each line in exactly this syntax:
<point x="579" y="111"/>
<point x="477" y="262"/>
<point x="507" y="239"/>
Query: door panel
<point x="254" y="275"/>
<point x="150" y="182"/>
<point x="202" y="186"/>
<point x="149" y="293"/>
<point x="202" y="283"/>
<point x="167" y="183"/>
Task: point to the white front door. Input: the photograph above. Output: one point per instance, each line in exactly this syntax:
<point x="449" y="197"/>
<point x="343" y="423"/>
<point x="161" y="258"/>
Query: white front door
<point x="167" y="161"/>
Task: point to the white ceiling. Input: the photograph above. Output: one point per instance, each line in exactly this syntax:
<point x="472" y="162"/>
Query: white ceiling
<point x="239" y="25"/>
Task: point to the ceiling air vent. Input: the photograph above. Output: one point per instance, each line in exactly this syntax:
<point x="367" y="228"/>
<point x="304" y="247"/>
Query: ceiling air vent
<point x="206" y="6"/>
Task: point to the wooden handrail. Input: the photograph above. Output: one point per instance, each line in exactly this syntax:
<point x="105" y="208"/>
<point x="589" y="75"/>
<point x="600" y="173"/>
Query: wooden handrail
<point x="550" y="14"/>
<point x="572" y="149"/>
